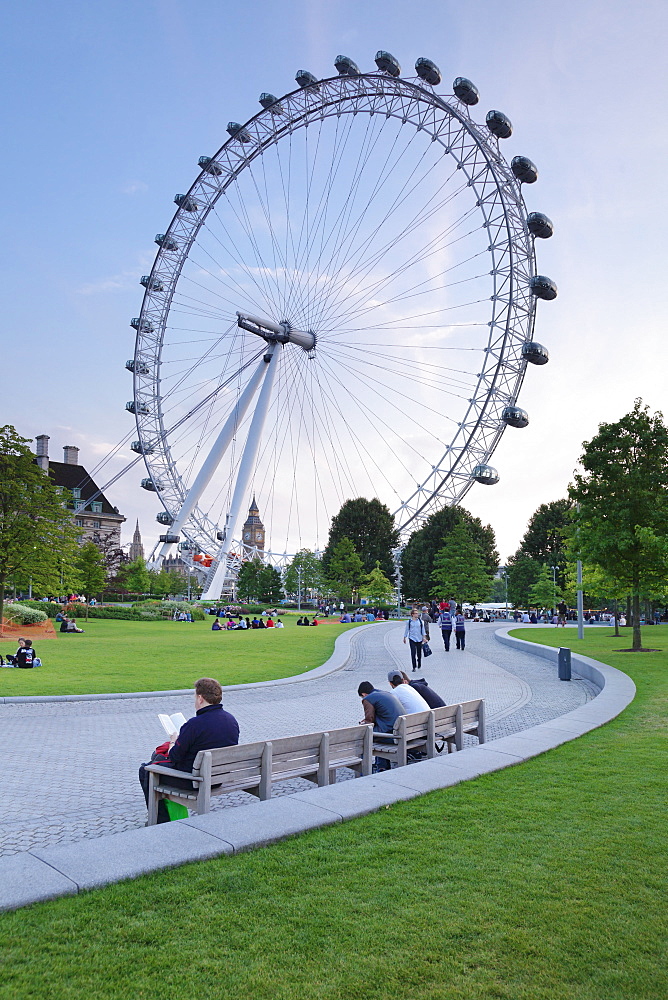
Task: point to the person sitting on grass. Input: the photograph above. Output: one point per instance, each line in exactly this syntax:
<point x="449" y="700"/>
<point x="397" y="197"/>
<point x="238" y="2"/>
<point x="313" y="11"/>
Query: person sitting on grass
<point x="25" y="655"/>
<point x="12" y="659"/>
<point x="255" y="623"/>
<point x="270" y="623"/>
<point x="72" y="626"/>
<point x="279" y="624"/>
<point x="314" y="622"/>
<point x="64" y="622"/>
<point x="230" y="624"/>
<point x="261" y="623"/>
<point x="216" y="627"/>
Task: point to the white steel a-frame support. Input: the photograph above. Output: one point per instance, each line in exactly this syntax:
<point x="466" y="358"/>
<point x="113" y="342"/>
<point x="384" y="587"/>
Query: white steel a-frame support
<point x="214" y="457"/>
<point x="218" y="572"/>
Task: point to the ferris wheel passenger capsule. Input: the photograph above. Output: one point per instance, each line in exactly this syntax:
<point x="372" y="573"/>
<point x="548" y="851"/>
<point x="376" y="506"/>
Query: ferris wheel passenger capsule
<point x="166" y="242"/>
<point x="387" y="63"/>
<point x="136" y="367"/>
<point x="499" y="124"/>
<point x="186" y="203"/>
<point x="486" y="475"/>
<point x="164" y="518"/>
<point x="237" y="131"/>
<point x="209" y="166"/>
<point x="524" y="169"/>
<point x="515" y="416"/>
<point x="346" y="67"/>
<point x="152" y="284"/>
<point x="141" y="449"/>
<point x="543" y="287"/>
<point x="535" y="353"/>
<point x="271" y="103"/>
<point x="428" y="71"/>
<point x="466" y="91"/>
<point x="151" y="486"/>
<point x="131" y="407"/>
<point x="539" y="225"/>
<point x="306" y="79"/>
<point x="142" y="324"/>
<point x="170" y="539"/>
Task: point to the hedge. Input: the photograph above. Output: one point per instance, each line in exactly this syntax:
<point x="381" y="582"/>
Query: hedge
<point x="24" y="615"/>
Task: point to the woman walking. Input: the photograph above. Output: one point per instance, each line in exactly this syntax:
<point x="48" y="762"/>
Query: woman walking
<point x="460" y="630"/>
<point x="415" y="633"/>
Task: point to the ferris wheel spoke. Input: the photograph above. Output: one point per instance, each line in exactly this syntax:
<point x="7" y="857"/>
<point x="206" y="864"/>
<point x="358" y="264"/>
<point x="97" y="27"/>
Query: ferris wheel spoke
<point x="419" y="371"/>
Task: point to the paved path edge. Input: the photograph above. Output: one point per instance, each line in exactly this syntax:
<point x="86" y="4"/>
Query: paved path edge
<point x="48" y="873"/>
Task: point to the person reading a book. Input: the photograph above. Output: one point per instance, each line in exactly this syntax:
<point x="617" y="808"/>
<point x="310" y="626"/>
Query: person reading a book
<point x="211" y="727"/>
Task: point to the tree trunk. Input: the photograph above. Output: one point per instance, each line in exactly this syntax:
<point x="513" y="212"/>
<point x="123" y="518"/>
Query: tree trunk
<point x="616" y="613"/>
<point x="3" y="577"/>
<point x="629" y="616"/>
<point x="637" y="639"/>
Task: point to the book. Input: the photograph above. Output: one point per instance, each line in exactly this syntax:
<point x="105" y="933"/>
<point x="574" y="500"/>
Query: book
<point x="172" y="724"/>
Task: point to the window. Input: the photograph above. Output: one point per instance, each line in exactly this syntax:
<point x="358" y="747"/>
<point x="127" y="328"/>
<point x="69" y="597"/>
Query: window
<point x="96" y="524"/>
<point x="79" y="504"/>
<point x="76" y="493"/>
<point x="78" y="522"/>
<point x="96" y="507"/>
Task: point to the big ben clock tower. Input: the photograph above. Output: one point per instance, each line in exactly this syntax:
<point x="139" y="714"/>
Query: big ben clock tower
<point x="253" y="530"/>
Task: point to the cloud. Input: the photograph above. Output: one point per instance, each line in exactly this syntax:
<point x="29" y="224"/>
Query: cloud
<point x="134" y="187"/>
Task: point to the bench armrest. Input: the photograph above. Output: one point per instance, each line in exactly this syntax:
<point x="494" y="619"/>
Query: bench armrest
<point x="172" y="772"/>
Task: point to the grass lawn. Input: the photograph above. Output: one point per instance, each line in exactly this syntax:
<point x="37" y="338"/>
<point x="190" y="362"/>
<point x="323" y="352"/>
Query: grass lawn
<point x="546" y="881"/>
<point x="113" y="656"/>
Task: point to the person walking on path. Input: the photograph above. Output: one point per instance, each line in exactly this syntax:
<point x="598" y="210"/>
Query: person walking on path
<point x="460" y="630"/>
<point x="562" y="609"/>
<point x="415" y="633"/>
<point x="445" y="625"/>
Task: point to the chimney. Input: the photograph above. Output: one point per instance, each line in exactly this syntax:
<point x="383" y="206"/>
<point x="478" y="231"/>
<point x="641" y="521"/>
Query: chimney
<point x="70" y="455"/>
<point x="43" y="451"/>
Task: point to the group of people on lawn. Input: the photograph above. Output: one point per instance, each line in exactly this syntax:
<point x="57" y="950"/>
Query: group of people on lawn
<point x="246" y="623"/>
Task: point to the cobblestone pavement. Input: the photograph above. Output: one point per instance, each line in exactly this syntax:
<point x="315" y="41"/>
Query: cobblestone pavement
<point x="70" y="768"/>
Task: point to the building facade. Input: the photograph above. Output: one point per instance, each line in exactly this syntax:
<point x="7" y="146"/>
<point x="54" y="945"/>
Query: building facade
<point x="98" y="520"/>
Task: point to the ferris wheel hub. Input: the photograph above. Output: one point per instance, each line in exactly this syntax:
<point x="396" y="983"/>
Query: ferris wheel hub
<point x="282" y="333"/>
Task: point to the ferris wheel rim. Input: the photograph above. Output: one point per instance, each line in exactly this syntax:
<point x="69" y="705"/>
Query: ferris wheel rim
<point x="478" y="417"/>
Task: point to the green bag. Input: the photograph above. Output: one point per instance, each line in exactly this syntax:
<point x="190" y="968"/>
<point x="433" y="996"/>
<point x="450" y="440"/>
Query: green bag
<point x="175" y="810"/>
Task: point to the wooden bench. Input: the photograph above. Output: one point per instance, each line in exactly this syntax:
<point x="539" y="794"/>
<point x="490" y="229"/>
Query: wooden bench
<point x="253" y="767"/>
<point x="420" y="731"/>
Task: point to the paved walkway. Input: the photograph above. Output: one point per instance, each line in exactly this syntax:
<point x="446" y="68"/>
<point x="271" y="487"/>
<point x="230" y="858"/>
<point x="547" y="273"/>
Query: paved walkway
<point x="62" y="802"/>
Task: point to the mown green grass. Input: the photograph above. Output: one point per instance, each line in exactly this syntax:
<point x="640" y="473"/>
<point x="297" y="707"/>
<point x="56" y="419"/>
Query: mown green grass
<point x="111" y="657"/>
<point x="545" y="881"/>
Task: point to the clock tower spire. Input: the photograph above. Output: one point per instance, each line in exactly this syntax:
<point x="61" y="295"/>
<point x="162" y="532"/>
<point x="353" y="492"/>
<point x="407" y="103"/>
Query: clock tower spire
<point x="253" y="530"/>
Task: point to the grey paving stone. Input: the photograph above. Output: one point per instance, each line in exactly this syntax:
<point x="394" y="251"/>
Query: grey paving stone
<point x="92" y="863"/>
<point x="264" y="822"/>
<point x="356" y="798"/>
<point x="25" y="879"/>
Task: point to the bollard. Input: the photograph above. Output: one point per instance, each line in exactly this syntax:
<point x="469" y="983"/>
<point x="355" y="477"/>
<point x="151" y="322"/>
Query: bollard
<point x="564" y="663"/>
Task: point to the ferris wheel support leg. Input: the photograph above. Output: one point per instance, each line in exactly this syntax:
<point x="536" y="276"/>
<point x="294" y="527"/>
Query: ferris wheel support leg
<point x="214" y="457"/>
<point x="246" y="468"/>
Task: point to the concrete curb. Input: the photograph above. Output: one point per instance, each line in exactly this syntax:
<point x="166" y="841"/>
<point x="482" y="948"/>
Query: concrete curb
<point x="337" y="661"/>
<point x="48" y="873"/>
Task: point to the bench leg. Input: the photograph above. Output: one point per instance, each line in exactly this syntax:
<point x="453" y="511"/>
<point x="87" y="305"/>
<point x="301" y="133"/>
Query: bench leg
<point x="265" y="773"/>
<point x="152" y="799"/>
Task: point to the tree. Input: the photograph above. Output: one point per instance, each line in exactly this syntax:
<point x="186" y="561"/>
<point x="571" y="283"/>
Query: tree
<point x="36" y="530"/>
<point x="523" y="571"/>
<point x="248" y="582"/>
<point x="370" y="527"/>
<point x="417" y="560"/>
<point x="345" y="571"/>
<point x="460" y="570"/>
<point x="90" y="564"/>
<point x="304" y="573"/>
<point x="621" y="518"/>
<point x="545" y="539"/>
<point x="270" y="584"/>
<point x="543" y="592"/>
<point x="376" y="585"/>
<point x="137" y="578"/>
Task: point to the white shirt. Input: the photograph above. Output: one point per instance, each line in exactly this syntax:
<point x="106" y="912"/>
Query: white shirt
<point x="411" y="700"/>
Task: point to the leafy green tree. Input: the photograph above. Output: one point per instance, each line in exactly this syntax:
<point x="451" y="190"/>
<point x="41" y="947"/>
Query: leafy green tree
<point x="270" y="584"/>
<point x="90" y="564"/>
<point x="460" y="569"/>
<point x="36" y="531"/>
<point x="346" y="570"/>
<point x="376" y="585"/>
<point x="304" y="572"/>
<point x="497" y="593"/>
<point x="523" y="572"/>
<point x="542" y="593"/>
<point x="621" y="518"/>
<point x="417" y="561"/>
<point x="137" y="578"/>
<point x="249" y="586"/>
<point x="369" y="525"/>
<point x="545" y="539"/>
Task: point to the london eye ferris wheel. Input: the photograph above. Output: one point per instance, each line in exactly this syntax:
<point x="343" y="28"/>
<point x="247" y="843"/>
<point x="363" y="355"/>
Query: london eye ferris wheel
<point x="342" y="305"/>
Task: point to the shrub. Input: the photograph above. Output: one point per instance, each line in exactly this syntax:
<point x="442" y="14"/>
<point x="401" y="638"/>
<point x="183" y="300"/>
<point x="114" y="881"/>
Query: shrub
<point x="23" y="615"/>
<point x="50" y="608"/>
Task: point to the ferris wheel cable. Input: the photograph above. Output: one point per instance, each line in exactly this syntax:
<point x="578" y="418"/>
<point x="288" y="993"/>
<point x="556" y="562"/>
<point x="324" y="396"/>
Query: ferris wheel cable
<point x="389" y="325"/>
<point x="425" y="252"/>
<point x="342" y="345"/>
<point x="205" y="357"/>
<point x="218" y="279"/>
<point x="418" y="377"/>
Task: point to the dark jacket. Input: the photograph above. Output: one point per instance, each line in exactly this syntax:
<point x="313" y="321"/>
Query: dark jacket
<point x="433" y="700"/>
<point x="211" y="727"/>
<point x="25" y="657"/>
<point x="387" y="709"/>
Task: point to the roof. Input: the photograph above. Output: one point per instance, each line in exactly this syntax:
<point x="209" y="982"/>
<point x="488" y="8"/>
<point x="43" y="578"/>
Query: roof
<point x="75" y="477"/>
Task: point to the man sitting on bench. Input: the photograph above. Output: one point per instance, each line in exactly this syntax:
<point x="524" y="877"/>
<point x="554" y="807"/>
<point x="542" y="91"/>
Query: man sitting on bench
<point x="210" y="727"/>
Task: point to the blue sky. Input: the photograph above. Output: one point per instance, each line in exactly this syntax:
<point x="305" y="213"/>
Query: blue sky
<point x="108" y="106"/>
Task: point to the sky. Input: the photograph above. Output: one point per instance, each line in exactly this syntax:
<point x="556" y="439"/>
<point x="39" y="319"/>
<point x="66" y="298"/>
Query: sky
<point x="108" y="106"/>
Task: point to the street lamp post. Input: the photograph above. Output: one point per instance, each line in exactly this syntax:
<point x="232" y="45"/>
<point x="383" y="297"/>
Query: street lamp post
<point x="505" y="580"/>
<point x="299" y="588"/>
